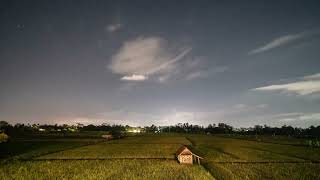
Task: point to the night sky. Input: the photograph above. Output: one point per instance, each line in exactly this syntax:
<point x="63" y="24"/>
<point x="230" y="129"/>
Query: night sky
<point x="160" y="62"/>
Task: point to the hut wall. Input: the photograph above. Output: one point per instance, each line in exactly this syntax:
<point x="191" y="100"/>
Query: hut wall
<point x="185" y="159"/>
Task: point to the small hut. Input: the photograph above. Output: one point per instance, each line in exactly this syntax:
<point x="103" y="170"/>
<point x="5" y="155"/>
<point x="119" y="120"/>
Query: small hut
<point x="186" y="156"/>
<point x="107" y="136"/>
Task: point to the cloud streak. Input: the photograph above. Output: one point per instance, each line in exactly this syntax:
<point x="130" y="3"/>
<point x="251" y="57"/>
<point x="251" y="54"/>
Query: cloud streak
<point x="297" y="116"/>
<point x="205" y="73"/>
<point x="283" y="41"/>
<point x="305" y="86"/>
<point x="113" y="27"/>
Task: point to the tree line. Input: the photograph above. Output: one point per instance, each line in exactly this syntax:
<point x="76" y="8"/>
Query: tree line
<point x="220" y="128"/>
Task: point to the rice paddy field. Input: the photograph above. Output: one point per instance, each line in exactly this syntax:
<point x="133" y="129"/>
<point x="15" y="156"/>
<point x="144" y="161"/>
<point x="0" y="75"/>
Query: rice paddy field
<point x="153" y="157"/>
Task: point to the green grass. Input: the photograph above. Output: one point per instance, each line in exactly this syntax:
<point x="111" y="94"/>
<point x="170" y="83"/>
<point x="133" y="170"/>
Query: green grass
<point x="105" y="150"/>
<point x="242" y="150"/>
<point x="131" y="147"/>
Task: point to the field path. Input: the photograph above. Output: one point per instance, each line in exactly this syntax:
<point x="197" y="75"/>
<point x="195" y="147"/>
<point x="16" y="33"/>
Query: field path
<point x="193" y="147"/>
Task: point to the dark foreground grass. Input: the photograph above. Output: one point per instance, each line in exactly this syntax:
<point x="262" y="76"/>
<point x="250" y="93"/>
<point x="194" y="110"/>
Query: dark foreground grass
<point x="104" y="169"/>
<point x="33" y="148"/>
<point x="290" y="171"/>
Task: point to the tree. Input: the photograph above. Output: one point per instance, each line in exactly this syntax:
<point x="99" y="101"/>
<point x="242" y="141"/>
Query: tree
<point x="4" y="125"/>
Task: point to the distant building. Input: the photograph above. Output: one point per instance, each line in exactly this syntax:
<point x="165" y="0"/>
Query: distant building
<point x="107" y="136"/>
<point x="41" y="129"/>
<point x="185" y="156"/>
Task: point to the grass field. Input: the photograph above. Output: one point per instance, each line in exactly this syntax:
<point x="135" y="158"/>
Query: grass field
<point x="152" y="157"/>
<point x="107" y="169"/>
<point x="229" y="158"/>
<point x="34" y="148"/>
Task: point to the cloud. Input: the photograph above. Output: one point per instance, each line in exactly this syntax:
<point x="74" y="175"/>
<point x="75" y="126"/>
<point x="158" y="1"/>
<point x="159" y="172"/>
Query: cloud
<point x="132" y="118"/>
<point x="297" y="116"/>
<point x="284" y="40"/>
<point x="262" y="105"/>
<point x="191" y="117"/>
<point x="204" y="73"/>
<point x="312" y="77"/>
<point x="123" y="117"/>
<point x="240" y="106"/>
<point x="134" y="77"/>
<point x="197" y="74"/>
<point x="113" y="27"/>
<point x="147" y="56"/>
<point x="165" y="65"/>
<point x="305" y="86"/>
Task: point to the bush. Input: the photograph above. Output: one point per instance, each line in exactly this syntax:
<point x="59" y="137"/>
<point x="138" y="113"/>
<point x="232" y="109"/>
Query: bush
<point x="3" y="137"/>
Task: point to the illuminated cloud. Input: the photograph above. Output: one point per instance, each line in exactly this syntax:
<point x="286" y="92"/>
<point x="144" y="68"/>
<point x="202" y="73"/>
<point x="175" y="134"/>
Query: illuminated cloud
<point x="305" y="86"/>
<point x="134" y="77"/>
<point x="144" y="57"/>
<point x="311" y="77"/>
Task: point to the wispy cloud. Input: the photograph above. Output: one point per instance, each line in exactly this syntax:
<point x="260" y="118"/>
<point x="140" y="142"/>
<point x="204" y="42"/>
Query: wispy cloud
<point x="144" y="57"/>
<point x="197" y="74"/>
<point x="295" y="119"/>
<point x="204" y="73"/>
<point x="304" y="86"/>
<point x="113" y="27"/>
<point x="297" y="116"/>
<point x="284" y="40"/>
<point x="169" y="62"/>
<point x="312" y="77"/>
<point x="239" y="108"/>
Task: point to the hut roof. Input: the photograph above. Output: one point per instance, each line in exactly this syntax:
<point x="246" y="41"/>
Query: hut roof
<point x="183" y="150"/>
